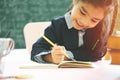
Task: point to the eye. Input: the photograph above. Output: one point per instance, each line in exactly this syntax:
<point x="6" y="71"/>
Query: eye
<point x="83" y="13"/>
<point x="95" y="21"/>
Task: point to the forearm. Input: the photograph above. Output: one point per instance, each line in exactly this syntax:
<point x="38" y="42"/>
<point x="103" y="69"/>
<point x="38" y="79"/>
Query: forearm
<point x="39" y="49"/>
<point x="85" y="55"/>
<point x="48" y="58"/>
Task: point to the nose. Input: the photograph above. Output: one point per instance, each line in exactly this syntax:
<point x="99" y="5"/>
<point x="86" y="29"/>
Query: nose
<point x="86" y="22"/>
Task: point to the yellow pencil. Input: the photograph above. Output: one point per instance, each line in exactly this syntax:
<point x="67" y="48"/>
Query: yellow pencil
<point x="50" y="42"/>
<point x="95" y="44"/>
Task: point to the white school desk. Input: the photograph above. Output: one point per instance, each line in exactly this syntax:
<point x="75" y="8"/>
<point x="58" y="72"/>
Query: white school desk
<point x="102" y="71"/>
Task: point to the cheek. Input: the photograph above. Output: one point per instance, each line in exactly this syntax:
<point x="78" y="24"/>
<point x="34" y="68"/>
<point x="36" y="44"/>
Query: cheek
<point x="76" y="17"/>
<point x="92" y="25"/>
<point x="75" y="14"/>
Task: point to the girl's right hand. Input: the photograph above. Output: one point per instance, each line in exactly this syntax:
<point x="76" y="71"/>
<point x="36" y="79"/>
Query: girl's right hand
<point x="57" y="54"/>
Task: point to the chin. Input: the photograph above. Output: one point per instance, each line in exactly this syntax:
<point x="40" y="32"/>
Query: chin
<point x="78" y="28"/>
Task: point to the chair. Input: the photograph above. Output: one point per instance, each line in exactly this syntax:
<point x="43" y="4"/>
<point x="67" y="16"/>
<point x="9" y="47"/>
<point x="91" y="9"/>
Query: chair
<point x="32" y="31"/>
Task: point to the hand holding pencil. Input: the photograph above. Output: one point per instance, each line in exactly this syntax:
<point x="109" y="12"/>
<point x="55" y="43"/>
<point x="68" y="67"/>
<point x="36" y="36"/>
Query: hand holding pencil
<point x="58" y="53"/>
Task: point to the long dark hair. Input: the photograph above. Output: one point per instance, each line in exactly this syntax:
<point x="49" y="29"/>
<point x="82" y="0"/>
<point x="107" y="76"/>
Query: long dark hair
<point x="108" y="5"/>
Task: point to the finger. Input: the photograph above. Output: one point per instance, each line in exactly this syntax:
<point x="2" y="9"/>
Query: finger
<point x="58" y="47"/>
<point x="63" y="47"/>
<point x="61" y="52"/>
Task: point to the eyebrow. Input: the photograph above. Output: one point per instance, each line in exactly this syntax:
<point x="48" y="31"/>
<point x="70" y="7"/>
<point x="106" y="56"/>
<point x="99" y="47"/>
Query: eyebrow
<point x="87" y="13"/>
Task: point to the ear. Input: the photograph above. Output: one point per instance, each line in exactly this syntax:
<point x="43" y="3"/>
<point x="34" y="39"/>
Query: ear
<point x="75" y="2"/>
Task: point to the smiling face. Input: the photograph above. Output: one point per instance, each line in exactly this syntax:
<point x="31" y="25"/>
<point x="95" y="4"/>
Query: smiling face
<point x="85" y="15"/>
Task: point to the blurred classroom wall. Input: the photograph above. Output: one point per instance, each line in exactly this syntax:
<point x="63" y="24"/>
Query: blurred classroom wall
<point x="15" y="14"/>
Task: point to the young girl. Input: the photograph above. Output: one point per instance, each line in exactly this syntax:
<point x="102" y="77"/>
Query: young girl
<point x="81" y="33"/>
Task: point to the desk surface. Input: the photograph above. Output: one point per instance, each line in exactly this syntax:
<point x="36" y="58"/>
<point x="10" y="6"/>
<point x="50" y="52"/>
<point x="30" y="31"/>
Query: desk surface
<point x="17" y="57"/>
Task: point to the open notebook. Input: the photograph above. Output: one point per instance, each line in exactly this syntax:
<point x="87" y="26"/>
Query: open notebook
<point x="63" y="64"/>
<point x="76" y="64"/>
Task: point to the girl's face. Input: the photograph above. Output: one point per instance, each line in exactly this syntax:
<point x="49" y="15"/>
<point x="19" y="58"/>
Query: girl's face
<point x="85" y="15"/>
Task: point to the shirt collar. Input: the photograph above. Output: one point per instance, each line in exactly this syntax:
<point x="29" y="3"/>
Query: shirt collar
<point x="68" y="20"/>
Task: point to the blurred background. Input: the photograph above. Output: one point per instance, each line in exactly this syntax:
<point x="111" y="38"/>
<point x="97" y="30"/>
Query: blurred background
<point x="15" y="14"/>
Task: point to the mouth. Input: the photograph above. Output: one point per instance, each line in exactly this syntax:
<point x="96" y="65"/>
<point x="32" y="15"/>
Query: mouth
<point x="79" y="25"/>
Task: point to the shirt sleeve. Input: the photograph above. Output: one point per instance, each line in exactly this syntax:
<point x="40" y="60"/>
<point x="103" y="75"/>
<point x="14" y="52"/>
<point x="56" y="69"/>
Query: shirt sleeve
<point x="70" y="54"/>
<point x="39" y="57"/>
